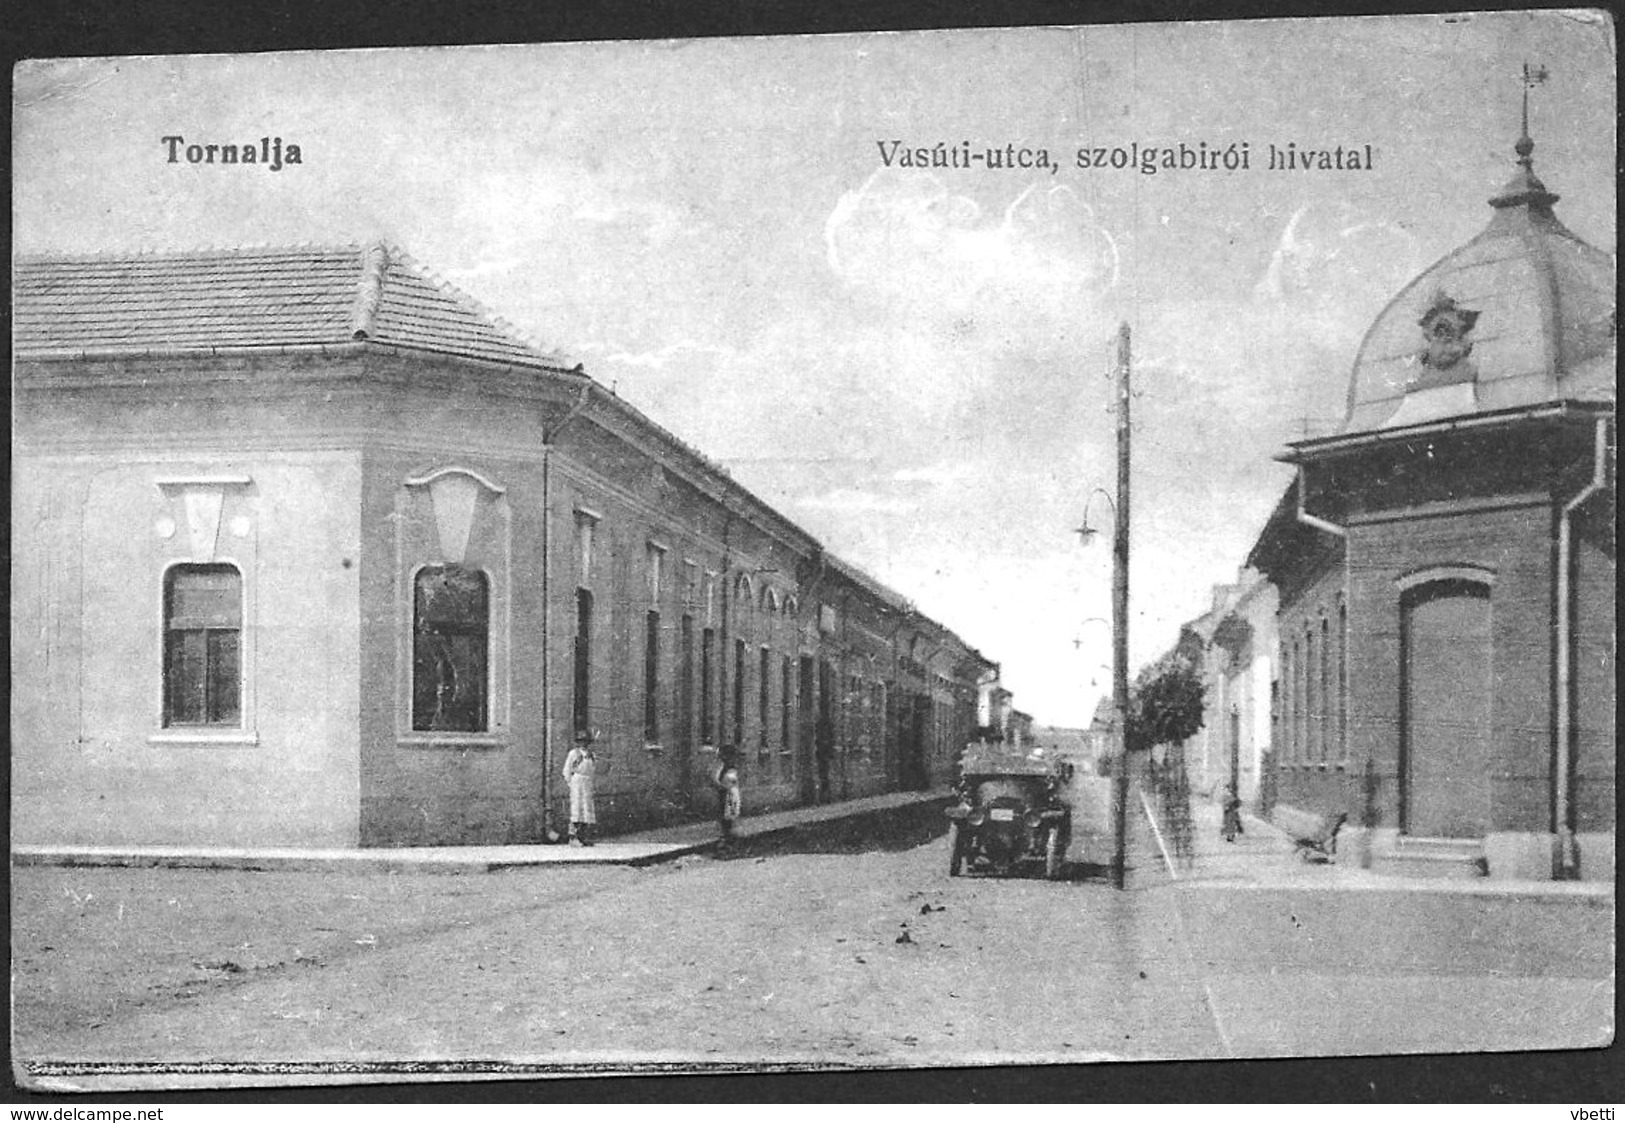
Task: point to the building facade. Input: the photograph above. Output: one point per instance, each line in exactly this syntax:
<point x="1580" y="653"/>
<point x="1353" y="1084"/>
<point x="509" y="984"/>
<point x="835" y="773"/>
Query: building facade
<point x="1445" y="564"/>
<point x="309" y="550"/>
<point x="1237" y="665"/>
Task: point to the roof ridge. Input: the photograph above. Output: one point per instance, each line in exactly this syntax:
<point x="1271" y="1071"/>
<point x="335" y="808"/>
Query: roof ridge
<point x="349" y="288"/>
<point x="369" y="289"/>
<point x="48" y="257"/>
<point x="474" y="305"/>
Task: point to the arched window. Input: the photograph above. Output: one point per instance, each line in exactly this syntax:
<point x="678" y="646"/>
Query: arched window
<point x="767" y="625"/>
<point x="451" y="626"/>
<point x="203" y="622"/>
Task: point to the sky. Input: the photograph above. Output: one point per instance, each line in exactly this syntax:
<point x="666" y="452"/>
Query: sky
<point x="914" y="364"/>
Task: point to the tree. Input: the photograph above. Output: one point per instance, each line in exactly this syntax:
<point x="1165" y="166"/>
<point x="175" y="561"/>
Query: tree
<point x="1166" y="708"/>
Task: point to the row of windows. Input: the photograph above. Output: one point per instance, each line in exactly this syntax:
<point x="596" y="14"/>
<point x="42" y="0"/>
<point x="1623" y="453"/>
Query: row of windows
<point x="451" y="672"/>
<point x="203" y="621"/>
<point x="696" y="588"/>
<point x="860" y="709"/>
<point x="1313" y="715"/>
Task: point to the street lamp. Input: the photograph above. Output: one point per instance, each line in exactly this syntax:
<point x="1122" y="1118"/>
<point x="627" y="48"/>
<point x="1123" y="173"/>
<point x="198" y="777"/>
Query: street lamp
<point x="1085" y="532"/>
<point x="1120" y="520"/>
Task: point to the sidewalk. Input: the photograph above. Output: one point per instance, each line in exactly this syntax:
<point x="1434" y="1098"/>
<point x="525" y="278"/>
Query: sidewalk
<point x="1264" y="857"/>
<point x="634" y="849"/>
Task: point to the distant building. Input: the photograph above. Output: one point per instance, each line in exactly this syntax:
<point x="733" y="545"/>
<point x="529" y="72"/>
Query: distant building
<point x="1445" y="564"/>
<point x="1020" y="730"/>
<point x="308" y="550"/>
<point x="1237" y="665"/>
<point x="1101" y="734"/>
<point x="995" y="705"/>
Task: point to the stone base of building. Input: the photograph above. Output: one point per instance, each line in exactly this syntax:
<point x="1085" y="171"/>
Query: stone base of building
<point x="1361" y="846"/>
<point x="1596" y="855"/>
<point x="1538" y="856"/>
<point x="1522" y="855"/>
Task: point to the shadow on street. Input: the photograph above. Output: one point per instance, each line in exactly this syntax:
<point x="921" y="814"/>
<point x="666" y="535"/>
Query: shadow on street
<point x="890" y="830"/>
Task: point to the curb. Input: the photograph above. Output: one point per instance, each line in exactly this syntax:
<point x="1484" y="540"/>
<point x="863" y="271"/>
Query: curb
<point x="1337" y="877"/>
<point x="635" y="850"/>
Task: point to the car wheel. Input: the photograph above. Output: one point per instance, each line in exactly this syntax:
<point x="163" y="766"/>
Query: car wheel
<point x="1054" y="852"/>
<point x="957" y="862"/>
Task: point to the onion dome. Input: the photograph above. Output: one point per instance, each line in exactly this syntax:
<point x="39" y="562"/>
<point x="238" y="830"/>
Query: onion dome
<point x="1522" y="314"/>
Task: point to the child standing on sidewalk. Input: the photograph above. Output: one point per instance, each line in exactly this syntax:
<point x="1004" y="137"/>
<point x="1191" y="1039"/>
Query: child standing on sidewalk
<point x="1232" y="815"/>
<point x="728" y="799"/>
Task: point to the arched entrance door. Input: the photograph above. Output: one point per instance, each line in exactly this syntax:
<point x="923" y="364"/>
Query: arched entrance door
<point x="1445" y="655"/>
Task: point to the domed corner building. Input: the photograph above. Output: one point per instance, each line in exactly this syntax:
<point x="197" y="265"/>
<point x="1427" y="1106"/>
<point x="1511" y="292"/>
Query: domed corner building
<point x="1445" y="672"/>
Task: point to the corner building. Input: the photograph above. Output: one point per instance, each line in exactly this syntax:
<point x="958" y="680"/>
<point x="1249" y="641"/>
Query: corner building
<point x="309" y="550"/>
<point x="1445" y="565"/>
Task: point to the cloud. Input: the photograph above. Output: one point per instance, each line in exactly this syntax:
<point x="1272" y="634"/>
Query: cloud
<point x="1337" y="253"/>
<point x="490" y="267"/>
<point x="944" y="473"/>
<point x="905" y="240"/>
<point x="658" y="358"/>
<point x="600" y="206"/>
<point x="849" y="500"/>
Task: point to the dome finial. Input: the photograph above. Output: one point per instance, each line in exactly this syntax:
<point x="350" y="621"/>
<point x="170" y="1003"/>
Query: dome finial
<point x="1525" y="146"/>
<point x="1525" y="188"/>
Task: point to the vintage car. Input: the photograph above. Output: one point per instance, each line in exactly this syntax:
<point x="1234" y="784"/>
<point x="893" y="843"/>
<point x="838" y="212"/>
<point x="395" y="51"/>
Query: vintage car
<point x="1012" y="812"/>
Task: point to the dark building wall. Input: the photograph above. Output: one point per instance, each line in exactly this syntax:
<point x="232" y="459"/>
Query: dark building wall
<point x="1480" y="511"/>
<point x="722" y="571"/>
<point x="861" y="651"/>
<point x="1509" y="547"/>
<point x="1320" y="733"/>
<point x="1596" y="667"/>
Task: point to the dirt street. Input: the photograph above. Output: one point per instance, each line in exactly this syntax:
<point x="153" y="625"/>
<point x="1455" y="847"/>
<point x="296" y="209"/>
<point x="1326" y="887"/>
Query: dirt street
<point x="815" y="948"/>
<point x="838" y="944"/>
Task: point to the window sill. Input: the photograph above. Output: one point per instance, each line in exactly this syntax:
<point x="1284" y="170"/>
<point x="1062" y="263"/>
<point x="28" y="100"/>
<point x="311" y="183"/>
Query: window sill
<point x="202" y="736"/>
<point x="452" y="740"/>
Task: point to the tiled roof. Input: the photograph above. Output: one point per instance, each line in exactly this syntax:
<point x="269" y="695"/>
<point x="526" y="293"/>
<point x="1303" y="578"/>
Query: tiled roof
<point x="206" y="299"/>
<point x="861" y="579"/>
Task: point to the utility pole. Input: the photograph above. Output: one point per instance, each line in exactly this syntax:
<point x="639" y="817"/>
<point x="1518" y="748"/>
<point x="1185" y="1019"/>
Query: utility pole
<point x="1120" y="525"/>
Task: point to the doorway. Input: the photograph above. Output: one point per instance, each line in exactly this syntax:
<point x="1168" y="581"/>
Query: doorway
<point x="1445" y="696"/>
